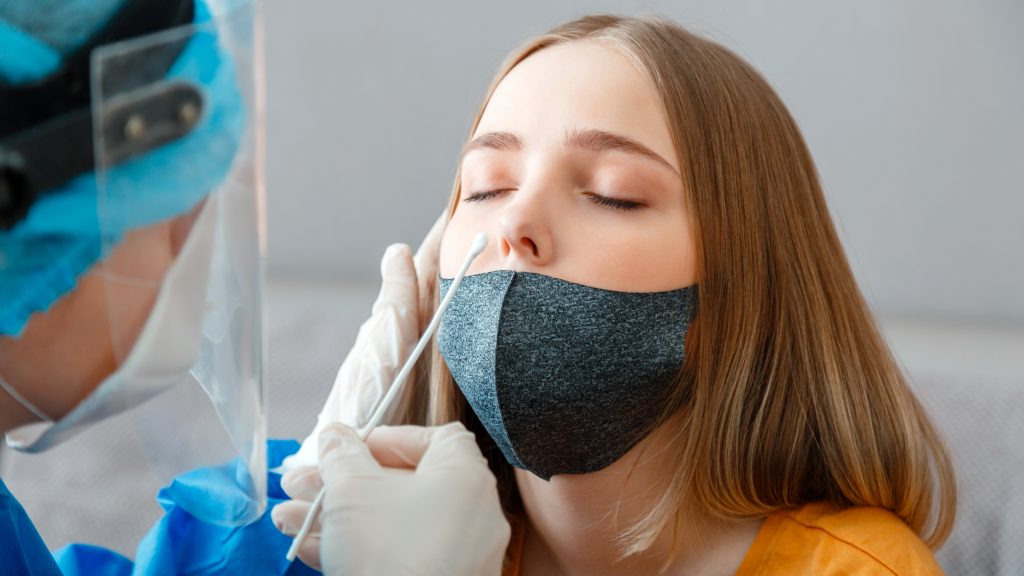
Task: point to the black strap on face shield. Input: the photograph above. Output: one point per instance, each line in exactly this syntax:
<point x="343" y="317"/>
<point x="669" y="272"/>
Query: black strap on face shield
<point x="46" y="127"/>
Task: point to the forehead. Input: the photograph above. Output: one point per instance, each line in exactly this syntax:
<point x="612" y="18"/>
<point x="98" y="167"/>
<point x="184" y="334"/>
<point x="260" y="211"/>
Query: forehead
<point x="578" y="86"/>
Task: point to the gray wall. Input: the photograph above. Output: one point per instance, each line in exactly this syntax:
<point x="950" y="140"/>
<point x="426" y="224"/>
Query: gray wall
<point x="912" y="110"/>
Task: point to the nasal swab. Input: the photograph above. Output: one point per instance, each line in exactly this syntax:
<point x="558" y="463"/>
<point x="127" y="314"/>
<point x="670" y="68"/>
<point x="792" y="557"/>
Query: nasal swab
<point x="479" y="243"/>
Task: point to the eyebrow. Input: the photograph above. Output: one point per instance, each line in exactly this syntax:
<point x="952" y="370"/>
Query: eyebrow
<point x="592" y="140"/>
<point x="493" y="141"/>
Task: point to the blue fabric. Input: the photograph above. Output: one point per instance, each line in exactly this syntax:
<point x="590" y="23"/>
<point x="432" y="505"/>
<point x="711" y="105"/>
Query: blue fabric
<point x="22" y="550"/>
<point x="219" y="495"/>
<point x="24" y="59"/>
<point x="181" y="544"/>
<point x="61" y="25"/>
<point x="69" y="229"/>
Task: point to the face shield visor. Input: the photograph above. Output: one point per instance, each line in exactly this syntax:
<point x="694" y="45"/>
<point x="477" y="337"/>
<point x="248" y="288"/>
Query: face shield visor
<point x="174" y="206"/>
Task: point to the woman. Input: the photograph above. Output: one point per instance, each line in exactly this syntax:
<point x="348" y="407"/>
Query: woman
<point x="663" y="352"/>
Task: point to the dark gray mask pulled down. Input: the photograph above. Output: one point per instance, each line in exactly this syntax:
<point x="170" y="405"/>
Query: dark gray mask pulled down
<point x="565" y="377"/>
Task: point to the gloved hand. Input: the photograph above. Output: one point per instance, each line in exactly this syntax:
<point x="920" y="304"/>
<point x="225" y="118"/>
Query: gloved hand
<point x="383" y="344"/>
<point x="409" y="501"/>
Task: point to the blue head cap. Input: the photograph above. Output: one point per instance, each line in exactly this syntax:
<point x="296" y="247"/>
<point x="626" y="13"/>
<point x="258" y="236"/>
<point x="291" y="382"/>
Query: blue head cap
<point x="65" y="231"/>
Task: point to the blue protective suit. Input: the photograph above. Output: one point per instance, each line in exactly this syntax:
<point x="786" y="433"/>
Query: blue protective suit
<point x="21" y="549"/>
<point x="177" y="544"/>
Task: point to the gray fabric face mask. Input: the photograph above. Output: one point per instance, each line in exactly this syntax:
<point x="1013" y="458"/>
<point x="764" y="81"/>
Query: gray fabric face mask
<point x="566" y="378"/>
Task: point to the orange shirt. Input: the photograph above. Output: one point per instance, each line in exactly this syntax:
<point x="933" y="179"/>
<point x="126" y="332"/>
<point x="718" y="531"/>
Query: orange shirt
<point x="820" y="540"/>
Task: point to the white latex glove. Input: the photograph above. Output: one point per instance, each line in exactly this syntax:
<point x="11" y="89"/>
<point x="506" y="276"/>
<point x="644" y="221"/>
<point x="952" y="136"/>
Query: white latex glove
<point x="409" y="501"/>
<point x="382" y="346"/>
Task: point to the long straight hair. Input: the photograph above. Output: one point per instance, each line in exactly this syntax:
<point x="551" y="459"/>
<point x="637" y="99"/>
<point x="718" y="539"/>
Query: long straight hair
<point x="789" y="395"/>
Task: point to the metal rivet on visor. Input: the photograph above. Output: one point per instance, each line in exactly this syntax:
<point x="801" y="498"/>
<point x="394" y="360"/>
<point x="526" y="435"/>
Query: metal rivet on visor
<point x="188" y="113"/>
<point x="135" y="127"/>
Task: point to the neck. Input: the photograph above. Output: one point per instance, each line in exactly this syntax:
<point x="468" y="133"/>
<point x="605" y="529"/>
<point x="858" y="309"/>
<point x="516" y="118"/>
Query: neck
<point x="575" y="522"/>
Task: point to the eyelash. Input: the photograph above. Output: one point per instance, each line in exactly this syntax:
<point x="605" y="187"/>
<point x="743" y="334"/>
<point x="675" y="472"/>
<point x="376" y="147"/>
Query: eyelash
<point x="485" y="195"/>
<point x="613" y="203"/>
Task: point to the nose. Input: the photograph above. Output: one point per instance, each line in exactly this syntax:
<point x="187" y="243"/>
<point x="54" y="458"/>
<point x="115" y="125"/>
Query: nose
<point x="524" y="234"/>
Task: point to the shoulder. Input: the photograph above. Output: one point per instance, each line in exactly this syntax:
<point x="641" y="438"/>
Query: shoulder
<point x="820" y="539"/>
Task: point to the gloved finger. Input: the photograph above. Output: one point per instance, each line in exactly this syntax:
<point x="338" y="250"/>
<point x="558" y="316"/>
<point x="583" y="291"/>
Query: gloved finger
<point x="289" y="516"/>
<point x="416" y="446"/>
<point x="426" y="259"/>
<point x="309" y="552"/>
<point x="381" y="347"/>
<point x="398" y="281"/>
<point x="399" y="446"/>
<point x="343" y="453"/>
<point x="302" y="483"/>
<point x="384" y="341"/>
<point x="452" y="448"/>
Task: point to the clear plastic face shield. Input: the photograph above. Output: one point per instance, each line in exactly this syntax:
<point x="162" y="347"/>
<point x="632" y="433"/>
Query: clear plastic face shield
<point x="177" y="136"/>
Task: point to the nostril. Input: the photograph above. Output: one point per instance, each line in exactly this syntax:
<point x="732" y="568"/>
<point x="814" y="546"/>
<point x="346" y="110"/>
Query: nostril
<point x="531" y="245"/>
<point x="523" y="247"/>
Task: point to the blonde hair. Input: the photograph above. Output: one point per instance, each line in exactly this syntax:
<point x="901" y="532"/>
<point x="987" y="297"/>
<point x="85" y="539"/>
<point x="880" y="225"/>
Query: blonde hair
<point x="788" y="395"/>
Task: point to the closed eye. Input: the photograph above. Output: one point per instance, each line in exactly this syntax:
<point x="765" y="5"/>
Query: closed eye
<point x="614" y="203"/>
<point x="485" y="194"/>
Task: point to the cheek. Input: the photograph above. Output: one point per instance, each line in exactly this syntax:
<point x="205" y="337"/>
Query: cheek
<point x="652" y="256"/>
<point x="457" y="238"/>
<point x="144" y="256"/>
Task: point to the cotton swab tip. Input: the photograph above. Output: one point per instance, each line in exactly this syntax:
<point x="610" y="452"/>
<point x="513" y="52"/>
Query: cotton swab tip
<point x="479" y="243"/>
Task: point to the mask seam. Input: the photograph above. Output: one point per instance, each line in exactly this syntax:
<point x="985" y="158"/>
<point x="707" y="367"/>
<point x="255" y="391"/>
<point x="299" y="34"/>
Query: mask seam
<point x="497" y="395"/>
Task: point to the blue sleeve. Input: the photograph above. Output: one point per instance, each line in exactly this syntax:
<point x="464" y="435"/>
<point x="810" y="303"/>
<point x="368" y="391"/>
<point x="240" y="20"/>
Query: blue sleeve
<point x="181" y="544"/>
<point x="22" y="550"/>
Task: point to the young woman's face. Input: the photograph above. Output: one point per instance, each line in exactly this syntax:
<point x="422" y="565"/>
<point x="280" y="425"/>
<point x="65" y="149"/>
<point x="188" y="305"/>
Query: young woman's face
<point x="572" y="173"/>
